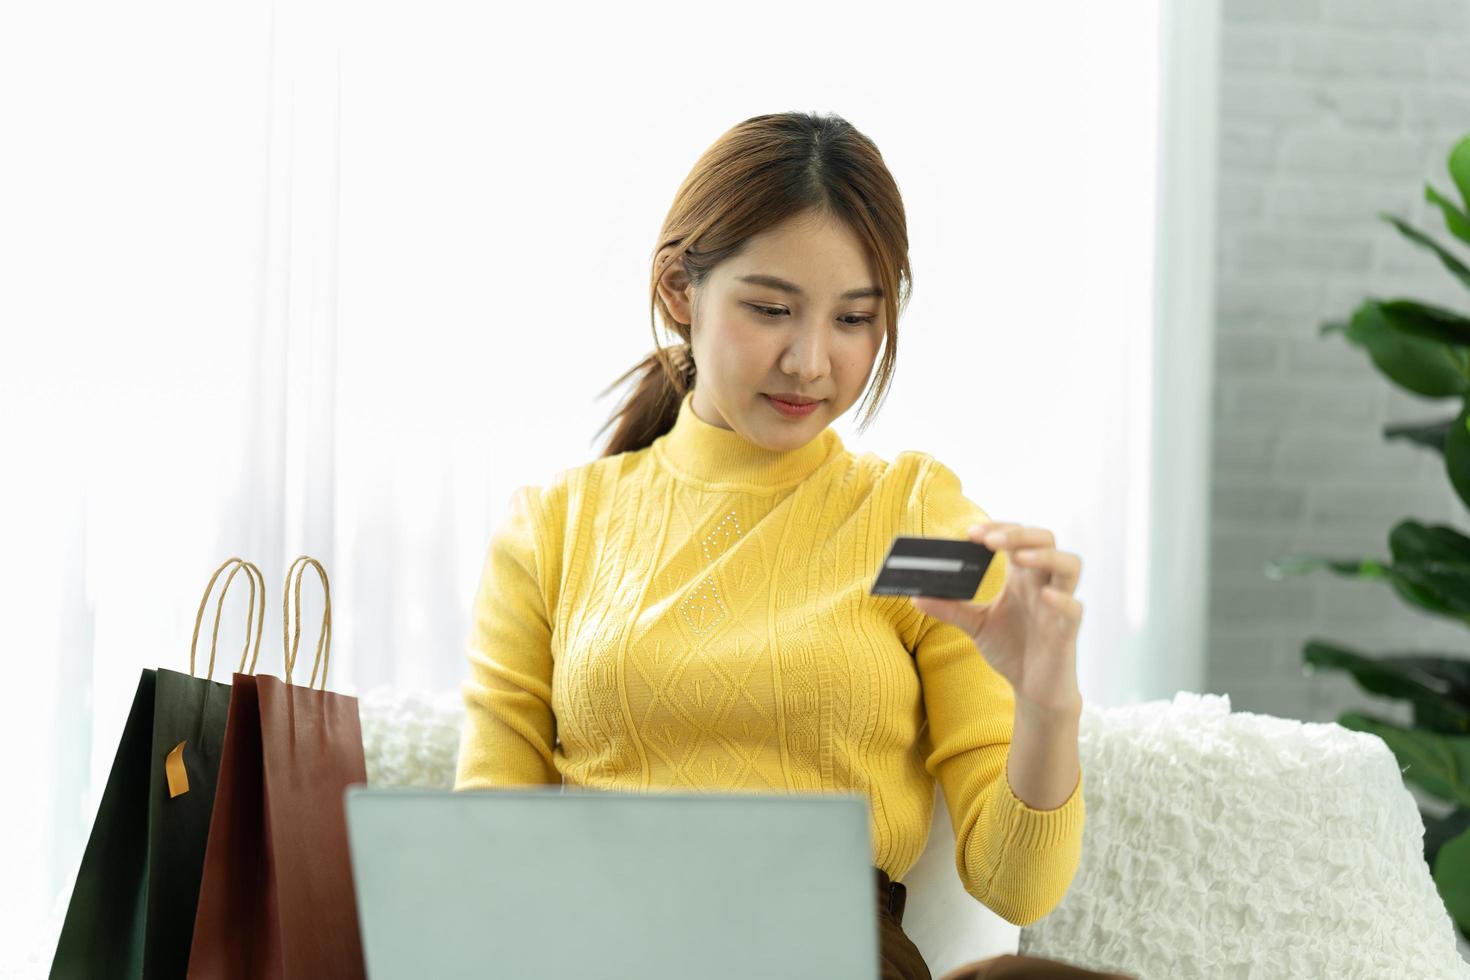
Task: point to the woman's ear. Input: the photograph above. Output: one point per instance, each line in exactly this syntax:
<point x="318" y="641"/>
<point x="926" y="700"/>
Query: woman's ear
<point x="675" y="289"/>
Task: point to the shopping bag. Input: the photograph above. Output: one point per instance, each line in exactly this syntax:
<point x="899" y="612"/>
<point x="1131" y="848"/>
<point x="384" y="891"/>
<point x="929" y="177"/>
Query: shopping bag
<point x="277" y="898"/>
<point x="131" y="912"/>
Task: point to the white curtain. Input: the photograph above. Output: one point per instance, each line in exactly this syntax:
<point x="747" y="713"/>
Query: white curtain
<point x="335" y="279"/>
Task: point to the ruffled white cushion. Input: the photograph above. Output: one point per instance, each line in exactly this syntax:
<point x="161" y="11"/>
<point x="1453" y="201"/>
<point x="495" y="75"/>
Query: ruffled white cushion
<point x="1245" y="845"/>
<point x="410" y="738"/>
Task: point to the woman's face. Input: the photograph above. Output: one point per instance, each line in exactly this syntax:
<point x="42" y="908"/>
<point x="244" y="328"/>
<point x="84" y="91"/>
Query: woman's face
<point x="816" y="337"/>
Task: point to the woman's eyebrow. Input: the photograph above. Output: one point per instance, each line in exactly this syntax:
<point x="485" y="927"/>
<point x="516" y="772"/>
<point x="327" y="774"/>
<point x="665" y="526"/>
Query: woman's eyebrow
<point x="790" y="287"/>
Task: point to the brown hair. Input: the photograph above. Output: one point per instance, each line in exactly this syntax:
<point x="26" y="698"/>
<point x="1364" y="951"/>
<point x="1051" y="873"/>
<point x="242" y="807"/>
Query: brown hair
<point x="758" y="174"/>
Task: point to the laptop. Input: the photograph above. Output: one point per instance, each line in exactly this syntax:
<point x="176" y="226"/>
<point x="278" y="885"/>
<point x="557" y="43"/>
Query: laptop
<point x="573" y="884"/>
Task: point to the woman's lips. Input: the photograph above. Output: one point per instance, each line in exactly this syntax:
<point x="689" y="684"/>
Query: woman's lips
<point x="793" y="411"/>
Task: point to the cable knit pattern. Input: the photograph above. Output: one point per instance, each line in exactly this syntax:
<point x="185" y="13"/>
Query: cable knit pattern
<point x="695" y="615"/>
<point x="1245" y="845"/>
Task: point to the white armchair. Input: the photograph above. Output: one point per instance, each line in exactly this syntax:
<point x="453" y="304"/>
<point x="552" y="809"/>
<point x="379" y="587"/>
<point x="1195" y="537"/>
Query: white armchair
<point x="1217" y="844"/>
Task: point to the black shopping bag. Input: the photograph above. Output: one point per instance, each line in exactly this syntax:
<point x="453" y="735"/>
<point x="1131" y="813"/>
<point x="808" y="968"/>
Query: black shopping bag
<point x="132" y="908"/>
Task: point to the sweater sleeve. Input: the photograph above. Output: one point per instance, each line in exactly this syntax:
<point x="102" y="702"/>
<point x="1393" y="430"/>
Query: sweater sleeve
<point x="1016" y="860"/>
<point x="509" y="730"/>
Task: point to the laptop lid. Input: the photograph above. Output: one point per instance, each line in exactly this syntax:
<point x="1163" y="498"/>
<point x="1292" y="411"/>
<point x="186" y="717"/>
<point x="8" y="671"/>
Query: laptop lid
<point x="533" y="882"/>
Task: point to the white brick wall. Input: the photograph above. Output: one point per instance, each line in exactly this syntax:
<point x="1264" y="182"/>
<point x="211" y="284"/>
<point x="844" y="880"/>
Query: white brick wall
<point x="1331" y="111"/>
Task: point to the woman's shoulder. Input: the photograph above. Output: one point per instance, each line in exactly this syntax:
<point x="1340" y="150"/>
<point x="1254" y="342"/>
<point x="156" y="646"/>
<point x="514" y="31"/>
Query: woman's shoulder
<point x="557" y="483"/>
<point x="559" y="496"/>
<point x="909" y="466"/>
<point x="933" y="493"/>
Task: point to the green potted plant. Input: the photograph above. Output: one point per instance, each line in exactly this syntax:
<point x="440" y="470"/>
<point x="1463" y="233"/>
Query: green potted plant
<point x="1424" y="349"/>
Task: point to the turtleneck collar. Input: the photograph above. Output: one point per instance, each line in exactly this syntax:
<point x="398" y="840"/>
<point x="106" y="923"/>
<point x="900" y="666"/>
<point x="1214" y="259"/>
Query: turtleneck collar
<point x="706" y="453"/>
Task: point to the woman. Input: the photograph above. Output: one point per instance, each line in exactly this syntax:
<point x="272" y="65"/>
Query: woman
<point x="691" y="610"/>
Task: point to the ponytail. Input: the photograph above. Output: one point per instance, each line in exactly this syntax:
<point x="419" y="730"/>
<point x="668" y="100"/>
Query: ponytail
<point x="653" y="406"/>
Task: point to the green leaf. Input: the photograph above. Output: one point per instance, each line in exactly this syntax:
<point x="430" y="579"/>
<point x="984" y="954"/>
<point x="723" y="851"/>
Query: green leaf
<point x="1450" y="673"/>
<point x="1419" y="364"/>
<point x="1459" y="164"/>
<point x="1451" y="262"/>
<point x="1439" y="831"/>
<point x="1410" y="677"/>
<point x="1427" y="321"/>
<point x="1414" y="541"/>
<point x="1457" y="221"/>
<point x="1415" y="585"/>
<point x="1428" y="435"/>
<point x="1438" y="763"/>
<point x="1430" y="568"/>
<point x="1452" y="877"/>
<point x="1457" y="455"/>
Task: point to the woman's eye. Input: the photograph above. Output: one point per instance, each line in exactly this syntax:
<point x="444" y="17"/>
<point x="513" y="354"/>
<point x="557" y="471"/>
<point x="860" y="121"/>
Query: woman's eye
<point x="773" y="312"/>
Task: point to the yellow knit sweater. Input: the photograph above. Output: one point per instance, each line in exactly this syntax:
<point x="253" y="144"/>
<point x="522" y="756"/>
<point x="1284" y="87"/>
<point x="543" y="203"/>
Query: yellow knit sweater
<point x="695" y="615"/>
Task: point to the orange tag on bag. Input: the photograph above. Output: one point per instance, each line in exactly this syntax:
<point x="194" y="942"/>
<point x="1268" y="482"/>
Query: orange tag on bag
<point x="173" y="767"/>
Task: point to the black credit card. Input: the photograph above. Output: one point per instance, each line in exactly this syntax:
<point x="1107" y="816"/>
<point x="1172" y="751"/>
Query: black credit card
<point x="945" y="568"/>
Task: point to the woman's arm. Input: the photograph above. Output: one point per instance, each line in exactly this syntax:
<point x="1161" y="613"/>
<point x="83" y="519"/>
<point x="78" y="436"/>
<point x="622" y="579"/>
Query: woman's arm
<point x="1043" y="767"/>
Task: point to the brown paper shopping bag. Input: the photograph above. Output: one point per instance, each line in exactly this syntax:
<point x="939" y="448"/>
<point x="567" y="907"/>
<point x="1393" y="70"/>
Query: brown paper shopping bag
<point x="277" y="898"/>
